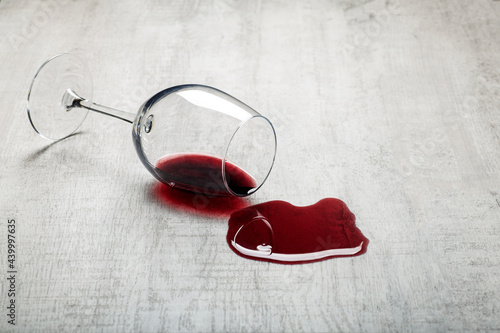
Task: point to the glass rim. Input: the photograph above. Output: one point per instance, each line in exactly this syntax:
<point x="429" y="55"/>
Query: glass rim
<point x="241" y="125"/>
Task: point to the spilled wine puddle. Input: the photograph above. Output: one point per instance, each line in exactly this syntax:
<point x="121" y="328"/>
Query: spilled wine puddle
<point x="280" y="232"/>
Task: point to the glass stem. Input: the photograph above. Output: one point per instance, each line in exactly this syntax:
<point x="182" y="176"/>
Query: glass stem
<point x="73" y="100"/>
<point x="123" y="115"/>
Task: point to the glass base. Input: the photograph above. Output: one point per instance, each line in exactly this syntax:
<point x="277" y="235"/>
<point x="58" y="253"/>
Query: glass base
<point x="47" y="109"/>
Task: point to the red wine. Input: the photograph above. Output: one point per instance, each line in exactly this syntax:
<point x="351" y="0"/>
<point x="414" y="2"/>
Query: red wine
<point x="197" y="203"/>
<point x="280" y="232"/>
<point x="203" y="174"/>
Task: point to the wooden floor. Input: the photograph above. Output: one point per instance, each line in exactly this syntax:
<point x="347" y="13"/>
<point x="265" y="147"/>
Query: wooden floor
<point x="391" y="106"/>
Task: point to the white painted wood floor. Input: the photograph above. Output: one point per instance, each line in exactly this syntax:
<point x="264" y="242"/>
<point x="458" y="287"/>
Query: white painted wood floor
<point x="392" y="107"/>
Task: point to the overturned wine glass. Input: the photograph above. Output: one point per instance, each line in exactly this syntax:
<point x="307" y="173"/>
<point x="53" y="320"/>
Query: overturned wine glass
<point x="191" y="137"/>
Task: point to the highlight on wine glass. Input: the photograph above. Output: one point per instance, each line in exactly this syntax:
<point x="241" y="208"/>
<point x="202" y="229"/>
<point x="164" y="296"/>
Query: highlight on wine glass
<point x="191" y="137"/>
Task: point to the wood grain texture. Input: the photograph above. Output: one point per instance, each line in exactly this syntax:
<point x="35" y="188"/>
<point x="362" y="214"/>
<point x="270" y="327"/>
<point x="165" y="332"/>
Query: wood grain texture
<point x="392" y="107"/>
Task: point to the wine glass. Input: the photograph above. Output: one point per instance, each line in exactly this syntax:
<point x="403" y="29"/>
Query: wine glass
<point x="191" y="137"/>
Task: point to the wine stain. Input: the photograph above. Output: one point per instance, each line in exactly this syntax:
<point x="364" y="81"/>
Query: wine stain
<point x="279" y="232"/>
